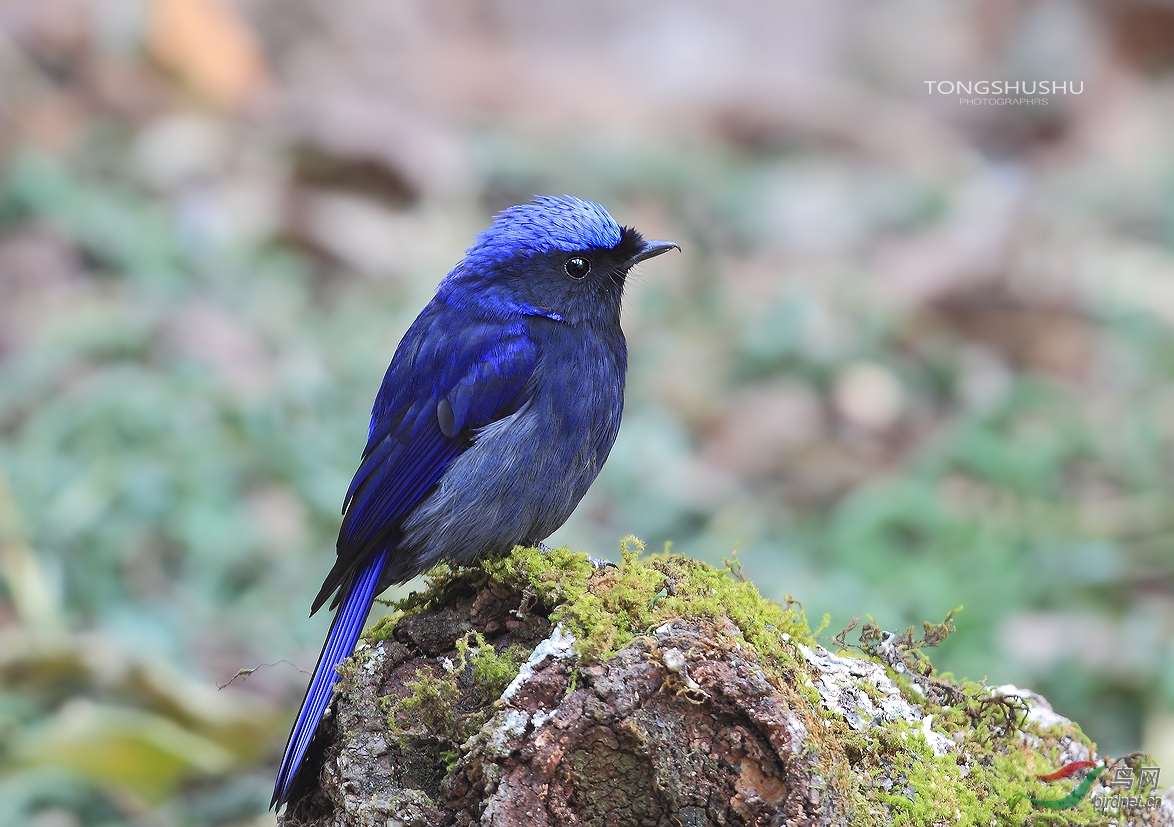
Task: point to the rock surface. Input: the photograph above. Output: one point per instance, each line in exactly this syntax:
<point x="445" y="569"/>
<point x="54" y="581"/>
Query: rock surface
<point x="538" y="691"/>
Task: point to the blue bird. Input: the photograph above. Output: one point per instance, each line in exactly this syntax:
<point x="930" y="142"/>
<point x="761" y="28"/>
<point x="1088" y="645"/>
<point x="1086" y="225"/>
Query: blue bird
<point x="500" y="405"/>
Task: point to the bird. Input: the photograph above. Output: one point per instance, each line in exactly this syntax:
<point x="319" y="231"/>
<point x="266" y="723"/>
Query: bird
<point x="500" y="405"/>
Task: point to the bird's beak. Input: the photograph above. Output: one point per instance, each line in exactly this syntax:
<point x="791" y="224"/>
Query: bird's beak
<point x="650" y="250"/>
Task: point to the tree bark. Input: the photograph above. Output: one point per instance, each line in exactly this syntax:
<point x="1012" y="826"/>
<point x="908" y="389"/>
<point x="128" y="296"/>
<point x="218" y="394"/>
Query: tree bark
<point x="495" y="700"/>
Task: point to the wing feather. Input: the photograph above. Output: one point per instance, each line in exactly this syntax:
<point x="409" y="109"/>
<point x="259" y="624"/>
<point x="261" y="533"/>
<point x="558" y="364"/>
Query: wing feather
<point x="435" y="395"/>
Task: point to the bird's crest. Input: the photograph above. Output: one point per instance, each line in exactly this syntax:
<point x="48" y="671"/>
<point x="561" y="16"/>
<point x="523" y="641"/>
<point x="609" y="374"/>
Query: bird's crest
<point x="547" y="224"/>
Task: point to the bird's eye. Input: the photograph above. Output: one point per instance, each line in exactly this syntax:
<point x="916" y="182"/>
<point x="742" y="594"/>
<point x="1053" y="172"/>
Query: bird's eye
<point x="577" y="267"/>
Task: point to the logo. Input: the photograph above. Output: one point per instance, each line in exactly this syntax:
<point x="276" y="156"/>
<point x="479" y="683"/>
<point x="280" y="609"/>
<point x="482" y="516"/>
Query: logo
<point x="1004" y="92"/>
<point x="1004" y="87"/>
<point x="1122" y="779"/>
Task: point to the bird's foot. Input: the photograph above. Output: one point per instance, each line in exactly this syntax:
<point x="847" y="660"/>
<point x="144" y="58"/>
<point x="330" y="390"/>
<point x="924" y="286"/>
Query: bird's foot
<point x="597" y="562"/>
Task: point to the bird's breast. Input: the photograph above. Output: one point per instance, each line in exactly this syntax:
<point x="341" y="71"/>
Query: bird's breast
<point x="524" y="474"/>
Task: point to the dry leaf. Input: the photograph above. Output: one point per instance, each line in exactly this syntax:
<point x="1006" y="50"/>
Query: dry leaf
<point x="210" y="47"/>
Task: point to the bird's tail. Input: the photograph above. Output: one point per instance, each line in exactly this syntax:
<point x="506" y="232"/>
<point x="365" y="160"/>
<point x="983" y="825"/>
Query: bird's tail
<point x="344" y="632"/>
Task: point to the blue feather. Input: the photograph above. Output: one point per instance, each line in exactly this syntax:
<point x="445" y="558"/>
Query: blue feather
<point x="344" y="633"/>
<point x="481" y="375"/>
<point x="407" y="453"/>
<point x="546" y="224"/>
<point x="497" y="411"/>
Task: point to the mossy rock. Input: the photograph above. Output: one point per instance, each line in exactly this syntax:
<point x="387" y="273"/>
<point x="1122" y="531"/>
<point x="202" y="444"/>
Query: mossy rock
<point x="537" y="689"/>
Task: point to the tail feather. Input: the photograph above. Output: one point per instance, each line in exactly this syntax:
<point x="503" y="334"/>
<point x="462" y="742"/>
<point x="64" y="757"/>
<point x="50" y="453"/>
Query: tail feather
<point x="340" y="642"/>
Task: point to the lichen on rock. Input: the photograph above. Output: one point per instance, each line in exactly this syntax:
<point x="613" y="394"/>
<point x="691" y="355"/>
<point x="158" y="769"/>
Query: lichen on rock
<point x="538" y="690"/>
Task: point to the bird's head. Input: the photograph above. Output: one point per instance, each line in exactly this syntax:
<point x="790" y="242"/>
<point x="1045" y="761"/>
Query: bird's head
<point x="563" y="258"/>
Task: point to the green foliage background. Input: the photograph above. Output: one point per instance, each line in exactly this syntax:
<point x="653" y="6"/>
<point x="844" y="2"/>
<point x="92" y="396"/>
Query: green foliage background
<point x="183" y="397"/>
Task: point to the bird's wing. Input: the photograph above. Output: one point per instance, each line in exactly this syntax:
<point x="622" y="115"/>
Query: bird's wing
<point x="437" y="392"/>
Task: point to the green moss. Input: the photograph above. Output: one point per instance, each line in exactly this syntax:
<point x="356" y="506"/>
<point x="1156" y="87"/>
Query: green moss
<point x="884" y="774"/>
<point x="938" y="791"/>
<point x="606" y="609"/>
<point x="428" y="708"/>
<point x="383" y="628"/>
<point x="977" y="783"/>
<point x="491" y="671"/>
<point x="554" y="575"/>
<point x="435" y="699"/>
<point x="888" y="773"/>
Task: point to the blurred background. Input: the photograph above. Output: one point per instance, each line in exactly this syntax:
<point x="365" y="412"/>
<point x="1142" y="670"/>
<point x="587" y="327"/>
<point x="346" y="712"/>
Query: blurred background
<point x="917" y="352"/>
